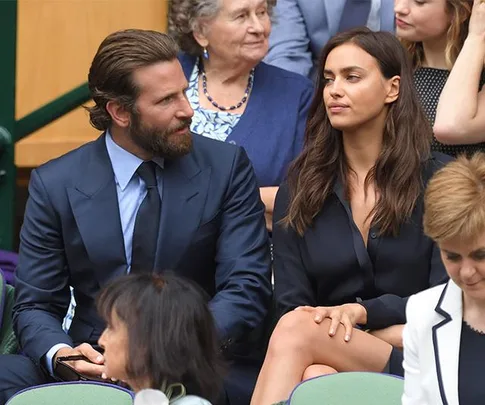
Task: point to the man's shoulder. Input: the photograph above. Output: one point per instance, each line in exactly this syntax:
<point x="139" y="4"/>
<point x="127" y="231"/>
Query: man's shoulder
<point x="64" y="161"/>
<point x="213" y="150"/>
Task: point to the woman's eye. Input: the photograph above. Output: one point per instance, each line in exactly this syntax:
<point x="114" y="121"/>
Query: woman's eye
<point x="353" y="78"/>
<point x="479" y="257"/>
<point x="453" y="258"/>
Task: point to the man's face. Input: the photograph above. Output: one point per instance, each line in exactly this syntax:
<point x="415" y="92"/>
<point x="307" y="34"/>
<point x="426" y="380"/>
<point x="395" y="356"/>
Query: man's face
<point x="161" y="118"/>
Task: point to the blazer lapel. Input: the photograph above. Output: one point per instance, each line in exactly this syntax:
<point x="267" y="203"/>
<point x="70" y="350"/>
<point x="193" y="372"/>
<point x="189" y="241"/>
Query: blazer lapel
<point x="95" y="208"/>
<point x="184" y="190"/>
<point x="446" y="342"/>
<point x="252" y="116"/>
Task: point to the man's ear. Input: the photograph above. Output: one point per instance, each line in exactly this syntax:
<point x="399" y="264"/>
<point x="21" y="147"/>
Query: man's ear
<point x="393" y="88"/>
<point x="119" y="114"/>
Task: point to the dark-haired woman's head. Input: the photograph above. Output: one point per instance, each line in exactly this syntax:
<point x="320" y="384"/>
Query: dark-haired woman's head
<point x="159" y="332"/>
<point x="364" y="83"/>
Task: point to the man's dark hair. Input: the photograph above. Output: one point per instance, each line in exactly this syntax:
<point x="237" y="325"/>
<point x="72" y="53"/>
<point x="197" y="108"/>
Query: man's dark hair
<point x="111" y="74"/>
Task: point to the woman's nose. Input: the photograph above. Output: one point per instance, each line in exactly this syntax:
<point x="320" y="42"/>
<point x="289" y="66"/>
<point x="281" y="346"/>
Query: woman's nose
<point x="401" y="7"/>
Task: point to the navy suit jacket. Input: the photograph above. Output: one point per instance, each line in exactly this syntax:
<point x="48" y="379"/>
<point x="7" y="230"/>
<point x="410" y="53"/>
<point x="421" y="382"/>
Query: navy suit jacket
<point x="272" y="127"/>
<point x="212" y="231"/>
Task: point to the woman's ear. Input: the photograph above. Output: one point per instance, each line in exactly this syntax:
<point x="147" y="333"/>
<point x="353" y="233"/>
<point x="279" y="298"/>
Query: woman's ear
<point x="393" y="87"/>
<point x="199" y="34"/>
<point x="119" y="114"/>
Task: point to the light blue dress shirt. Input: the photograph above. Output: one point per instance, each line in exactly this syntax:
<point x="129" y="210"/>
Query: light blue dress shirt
<point x="131" y="191"/>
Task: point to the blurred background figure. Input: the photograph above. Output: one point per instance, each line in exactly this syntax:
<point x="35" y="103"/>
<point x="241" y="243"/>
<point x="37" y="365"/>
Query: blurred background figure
<point x="303" y="27"/>
<point x="237" y="98"/>
<point x="460" y="117"/>
<point x="434" y="32"/>
<point x="444" y="338"/>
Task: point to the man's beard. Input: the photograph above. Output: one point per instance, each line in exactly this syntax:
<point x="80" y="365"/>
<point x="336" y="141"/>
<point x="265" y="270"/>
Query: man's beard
<point x="161" y="143"/>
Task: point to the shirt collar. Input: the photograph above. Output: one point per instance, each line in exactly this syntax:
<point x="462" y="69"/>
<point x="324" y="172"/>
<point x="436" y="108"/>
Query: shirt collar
<point x="123" y="162"/>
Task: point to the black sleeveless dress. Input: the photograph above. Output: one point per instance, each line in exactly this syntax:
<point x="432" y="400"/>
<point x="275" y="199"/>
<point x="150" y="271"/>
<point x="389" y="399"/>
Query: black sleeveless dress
<point x="429" y="84"/>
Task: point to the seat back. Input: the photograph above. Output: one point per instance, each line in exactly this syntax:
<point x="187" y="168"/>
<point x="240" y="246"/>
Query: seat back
<point x="8" y="341"/>
<point x="352" y="388"/>
<point x="73" y="393"/>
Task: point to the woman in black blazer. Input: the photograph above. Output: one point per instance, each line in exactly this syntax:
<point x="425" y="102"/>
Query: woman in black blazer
<point x="348" y="240"/>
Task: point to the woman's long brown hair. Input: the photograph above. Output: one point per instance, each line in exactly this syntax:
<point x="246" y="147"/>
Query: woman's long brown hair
<point x="406" y="144"/>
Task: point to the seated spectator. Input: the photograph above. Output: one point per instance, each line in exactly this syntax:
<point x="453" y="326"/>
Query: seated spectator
<point x="460" y="117"/>
<point x="147" y="194"/>
<point x="236" y="98"/>
<point x="434" y="33"/>
<point x="444" y="338"/>
<point x="160" y="335"/>
<point x="348" y="242"/>
<point x="303" y="27"/>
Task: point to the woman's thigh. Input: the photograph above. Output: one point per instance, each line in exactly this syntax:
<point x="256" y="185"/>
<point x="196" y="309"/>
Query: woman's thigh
<point x="297" y="334"/>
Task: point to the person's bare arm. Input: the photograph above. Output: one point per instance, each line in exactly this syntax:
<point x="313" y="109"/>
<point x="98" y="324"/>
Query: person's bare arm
<point x="460" y="116"/>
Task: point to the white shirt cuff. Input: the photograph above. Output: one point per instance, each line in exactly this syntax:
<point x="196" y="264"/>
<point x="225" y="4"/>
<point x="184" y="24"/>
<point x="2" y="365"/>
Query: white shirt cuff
<point x="50" y="356"/>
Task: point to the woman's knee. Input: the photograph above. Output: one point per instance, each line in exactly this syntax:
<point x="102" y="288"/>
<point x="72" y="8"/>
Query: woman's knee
<point x="317" y="370"/>
<point x="295" y="331"/>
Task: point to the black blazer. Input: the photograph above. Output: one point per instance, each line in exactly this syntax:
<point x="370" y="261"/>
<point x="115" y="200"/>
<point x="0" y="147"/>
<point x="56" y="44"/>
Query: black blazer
<point x="330" y="265"/>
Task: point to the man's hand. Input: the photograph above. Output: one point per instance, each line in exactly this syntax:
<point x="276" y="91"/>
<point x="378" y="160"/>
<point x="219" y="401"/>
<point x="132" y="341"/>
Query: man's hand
<point x="348" y="315"/>
<point x="94" y="367"/>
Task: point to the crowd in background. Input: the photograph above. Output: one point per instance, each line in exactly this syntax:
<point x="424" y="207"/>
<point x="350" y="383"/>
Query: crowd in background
<point x="282" y="190"/>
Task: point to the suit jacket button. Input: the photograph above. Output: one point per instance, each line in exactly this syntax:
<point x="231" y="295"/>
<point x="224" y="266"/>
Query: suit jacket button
<point x="373" y="235"/>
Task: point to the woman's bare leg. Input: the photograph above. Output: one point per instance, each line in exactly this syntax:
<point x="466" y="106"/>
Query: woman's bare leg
<point x="298" y="342"/>
<point x="317" y="370"/>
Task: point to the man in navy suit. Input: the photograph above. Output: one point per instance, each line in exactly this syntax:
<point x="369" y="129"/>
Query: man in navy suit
<point x="146" y="195"/>
<point x="303" y="27"/>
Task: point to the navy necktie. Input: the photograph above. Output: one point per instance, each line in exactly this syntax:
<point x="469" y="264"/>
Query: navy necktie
<point x="145" y="234"/>
<point x="355" y="14"/>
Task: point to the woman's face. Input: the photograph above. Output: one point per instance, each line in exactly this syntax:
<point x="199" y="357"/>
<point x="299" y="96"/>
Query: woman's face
<point x="239" y="33"/>
<point x="355" y="91"/>
<point x="421" y="20"/>
<point x="465" y="264"/>
<point x="114" y="341"/>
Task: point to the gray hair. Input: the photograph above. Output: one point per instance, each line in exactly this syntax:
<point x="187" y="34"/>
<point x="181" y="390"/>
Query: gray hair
<point x="185" y="17"/>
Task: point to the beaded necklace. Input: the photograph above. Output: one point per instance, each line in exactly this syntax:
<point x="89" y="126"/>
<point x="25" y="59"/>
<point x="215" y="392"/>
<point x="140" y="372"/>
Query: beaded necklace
<point x="217" y="105"/>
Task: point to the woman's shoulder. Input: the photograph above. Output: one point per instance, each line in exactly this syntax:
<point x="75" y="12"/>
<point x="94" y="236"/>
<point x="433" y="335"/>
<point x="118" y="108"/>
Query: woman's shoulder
<point x="435" y="162"/>
<point x="287" y="78"/>
<point x="421" y="306"/>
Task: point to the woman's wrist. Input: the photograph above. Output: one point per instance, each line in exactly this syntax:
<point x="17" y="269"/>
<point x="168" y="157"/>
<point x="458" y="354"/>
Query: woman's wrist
<point x="475" y="41"/>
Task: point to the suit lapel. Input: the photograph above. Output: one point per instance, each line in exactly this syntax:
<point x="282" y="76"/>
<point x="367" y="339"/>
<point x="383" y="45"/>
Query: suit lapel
<point x="446" y="342"/>
<point x="95" y="208"/>
<point x="185" y="188"/>
<point x="387" y="15"/>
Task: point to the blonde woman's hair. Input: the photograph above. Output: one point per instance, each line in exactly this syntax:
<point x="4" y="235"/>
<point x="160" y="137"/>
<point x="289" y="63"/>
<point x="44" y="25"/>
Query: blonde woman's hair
<point x="454" y="201"/>
<point x="460" y="11"/>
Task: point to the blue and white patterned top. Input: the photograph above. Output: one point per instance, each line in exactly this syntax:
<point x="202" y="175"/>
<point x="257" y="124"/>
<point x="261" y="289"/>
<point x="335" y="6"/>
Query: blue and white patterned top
<point x="212" y="124"/>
